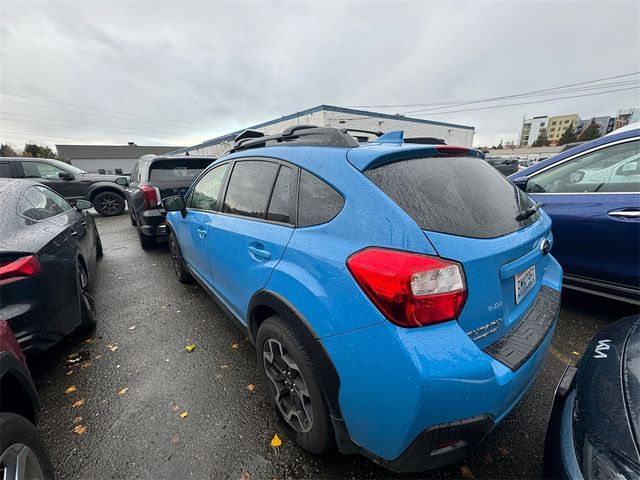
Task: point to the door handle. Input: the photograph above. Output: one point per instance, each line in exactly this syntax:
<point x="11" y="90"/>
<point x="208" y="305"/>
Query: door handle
<point x="257" y="252"/>
<point x="202" y="232"/>
<point x="74" y="233"/>
<point x="625" y="213"/>
<point x="83" y="223"/>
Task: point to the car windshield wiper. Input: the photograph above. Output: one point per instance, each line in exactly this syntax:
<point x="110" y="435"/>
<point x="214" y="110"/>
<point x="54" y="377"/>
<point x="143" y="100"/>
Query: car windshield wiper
<point x="523" y="215"/>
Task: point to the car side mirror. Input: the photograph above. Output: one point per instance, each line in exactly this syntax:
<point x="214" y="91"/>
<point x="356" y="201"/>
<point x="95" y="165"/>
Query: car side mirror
<point x="576" y="177"/>
<point x="175" y="203"/>
<point x="521" y="183"/>
<point x="122" y="181"/>
<point x="83" y="205"/>
<point x="65" y="176"/>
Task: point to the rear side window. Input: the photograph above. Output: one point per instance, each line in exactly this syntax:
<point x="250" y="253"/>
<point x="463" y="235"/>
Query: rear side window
<point x="177" y="170"/>
<point x="280" y="203"/>
<point x="318" y="202"/>
<point x="462" y="196"/>
<point x="5" y="171"/>
<point x="39" y="203"/>
<point x="250" y="188"/>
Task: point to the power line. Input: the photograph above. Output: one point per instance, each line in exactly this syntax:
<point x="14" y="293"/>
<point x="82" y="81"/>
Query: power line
<point x="525" y="103"/>
<point x="101" y="109"/>
<point x="495" y="98"/>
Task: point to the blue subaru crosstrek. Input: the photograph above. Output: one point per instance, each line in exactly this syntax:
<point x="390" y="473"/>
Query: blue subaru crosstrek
<point x="401" y="297"/>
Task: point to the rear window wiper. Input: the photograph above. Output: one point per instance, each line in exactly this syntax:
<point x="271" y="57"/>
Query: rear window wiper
<point x="523" y="215"/>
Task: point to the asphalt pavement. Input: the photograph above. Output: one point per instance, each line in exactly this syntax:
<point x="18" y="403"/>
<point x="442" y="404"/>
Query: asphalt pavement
<point x="128" y="401"/>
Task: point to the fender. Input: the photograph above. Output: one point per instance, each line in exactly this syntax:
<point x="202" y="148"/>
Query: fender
<point x="103" y="186"/>
<point x="14" y="372"/>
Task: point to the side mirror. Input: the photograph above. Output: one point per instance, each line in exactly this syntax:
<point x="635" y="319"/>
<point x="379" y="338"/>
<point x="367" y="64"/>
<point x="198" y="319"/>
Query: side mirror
<point x="175" y="203"/>
<point x="65" y="176"/>
<point x="576" y="177"/>
<point x="122" y="181"/>
<point x="83" y="205"/>
<point x="521" y="183"/>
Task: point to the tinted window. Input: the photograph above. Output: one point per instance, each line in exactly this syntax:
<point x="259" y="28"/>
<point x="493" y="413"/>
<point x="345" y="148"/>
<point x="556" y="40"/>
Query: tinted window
<point x="134" y="172"/>
<point x="38" y="203"/>
<point x="280" y="204"/>
<point x="610" y="169"/>
<point x="204" y="195"/>
<point x="317" y="202"/>
<point x="180" y="170"/>
<point x="41" y="170"/>
<point x="249" y="188"/>
<point x="5" y="172"/>
<point x="457" y="195"/>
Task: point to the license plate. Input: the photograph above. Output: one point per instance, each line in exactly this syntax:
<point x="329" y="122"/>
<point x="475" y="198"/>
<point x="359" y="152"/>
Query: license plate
<point x="525" y="282"/>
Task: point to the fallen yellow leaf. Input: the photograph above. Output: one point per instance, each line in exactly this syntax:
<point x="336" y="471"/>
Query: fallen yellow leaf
<point x="113" y="348"/>
<point x="77" y="419"/>
<point x="80" y="429"/>
<point x="71" y="389"/>
<point x="70" y="372"/>
<point x="184" y="414"/>
<point x="190" y="348"/>
<point x="123" y="391"/>
<point x="132" y="327"/>
<point x="84" y="365"/>
<point x="275" y="441"/>
<point x="89" y="340"/>
<point x="78" y="403"/>
<point x="235" y="346"/>
<point x="251" y="387"/>
<point x="575" y="353"/>
<point x="467" y="473"/>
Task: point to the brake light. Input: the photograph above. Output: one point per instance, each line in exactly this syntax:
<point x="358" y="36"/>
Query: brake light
<point x="17" y="269"/>
<point x="451" y="150"/>
<point x="410" y="289"/>
<point x="151" y="196"/>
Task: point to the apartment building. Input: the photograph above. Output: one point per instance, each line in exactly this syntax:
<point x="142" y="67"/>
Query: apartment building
<point x="558" y="124"/>
<point x="531" y="129"/>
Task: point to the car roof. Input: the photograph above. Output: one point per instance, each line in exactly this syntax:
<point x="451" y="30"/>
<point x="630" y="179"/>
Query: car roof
<point x="577" y="150"/>
<point x="151" y="157"/>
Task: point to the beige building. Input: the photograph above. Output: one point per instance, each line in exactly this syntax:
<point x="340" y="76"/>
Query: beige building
<point x="558" y="124"/>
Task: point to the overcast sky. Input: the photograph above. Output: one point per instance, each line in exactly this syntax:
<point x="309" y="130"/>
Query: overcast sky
<point x="199" y="69"/>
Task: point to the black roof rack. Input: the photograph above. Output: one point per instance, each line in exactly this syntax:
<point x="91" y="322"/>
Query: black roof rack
<point x="296" y="135"/>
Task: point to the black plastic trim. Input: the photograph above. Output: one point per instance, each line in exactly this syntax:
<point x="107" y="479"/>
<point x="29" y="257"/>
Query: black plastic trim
<point x="11" y="367"/>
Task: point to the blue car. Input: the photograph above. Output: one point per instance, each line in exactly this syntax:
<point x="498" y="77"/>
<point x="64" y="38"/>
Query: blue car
<point x="401" y="297"/>
<point x="592" y="193"/>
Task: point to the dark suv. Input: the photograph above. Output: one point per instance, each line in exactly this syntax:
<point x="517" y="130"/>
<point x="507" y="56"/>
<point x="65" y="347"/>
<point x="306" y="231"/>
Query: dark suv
<point x="68" y="181"/>
<point x="152" y="179"/>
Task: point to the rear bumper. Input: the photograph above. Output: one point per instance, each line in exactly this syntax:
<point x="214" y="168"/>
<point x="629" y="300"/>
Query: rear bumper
<point x="152" y="222"/>
<point x="27" y="323"/>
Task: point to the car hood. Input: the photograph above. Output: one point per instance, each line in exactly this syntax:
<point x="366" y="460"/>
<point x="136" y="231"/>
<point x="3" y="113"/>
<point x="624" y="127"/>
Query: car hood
<point x="608" y="388"/>
<point x="97" y="177"/>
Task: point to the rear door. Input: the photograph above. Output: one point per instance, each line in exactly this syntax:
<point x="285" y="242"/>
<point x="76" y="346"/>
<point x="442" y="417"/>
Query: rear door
<point x="247" y="239"/>
<point x="468" y="211"/>
<point x="594" y="201"/>
<point x="174" y="176"/>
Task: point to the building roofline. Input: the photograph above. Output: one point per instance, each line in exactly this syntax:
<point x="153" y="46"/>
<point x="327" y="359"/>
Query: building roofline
<point x="319" y="108"/>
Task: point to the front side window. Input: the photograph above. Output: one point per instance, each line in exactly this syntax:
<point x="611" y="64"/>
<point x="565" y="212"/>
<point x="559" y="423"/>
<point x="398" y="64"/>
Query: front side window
<point x="250" y="188"/>
<point x="39" y="203"/>
<point x="41" y="170"/>
<point x="611" y="169"/>
<point x="204" y="195"/>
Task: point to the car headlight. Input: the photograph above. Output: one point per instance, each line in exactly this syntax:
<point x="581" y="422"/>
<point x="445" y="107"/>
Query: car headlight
<point x="600" y="463"/>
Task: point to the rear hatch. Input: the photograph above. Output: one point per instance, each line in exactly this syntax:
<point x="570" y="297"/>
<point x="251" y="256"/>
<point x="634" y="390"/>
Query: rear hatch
<point x="468" y="212"/>
<point x="174" y="176"/>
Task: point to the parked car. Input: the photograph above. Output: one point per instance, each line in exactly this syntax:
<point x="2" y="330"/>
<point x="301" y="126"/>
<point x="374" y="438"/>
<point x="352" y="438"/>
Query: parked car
<point x="23" y="454"/>
<point x="592" y="193"/>
<point x="70" y="182"/>
<point x="594" y="428"/>
<point x="505" y="166"/>
<point x="153" y="178"/>
<point x="48" y="252"/>
<point x="401" y="297"/>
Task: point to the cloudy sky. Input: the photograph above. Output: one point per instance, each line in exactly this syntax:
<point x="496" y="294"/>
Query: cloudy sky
<point x="179" y="72"/>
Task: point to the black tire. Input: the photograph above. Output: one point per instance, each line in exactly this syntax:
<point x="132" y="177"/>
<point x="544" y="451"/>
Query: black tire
<point x="109" y="203"/>
<point x="316" y="435"/>
<point x="147" y="242"/>
<point x="17" y="432"/>
<point x="178" y="262"/>
<point x="87" y="303"/>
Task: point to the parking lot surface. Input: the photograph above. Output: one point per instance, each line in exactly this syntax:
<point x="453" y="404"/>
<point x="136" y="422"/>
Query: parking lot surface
<point x="141" y="406"/>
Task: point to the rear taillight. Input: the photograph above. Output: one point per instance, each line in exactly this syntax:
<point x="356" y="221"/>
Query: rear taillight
<point x="151" y="196"/>
<point x="410" y="289"/>
<point x="18" y="269"/>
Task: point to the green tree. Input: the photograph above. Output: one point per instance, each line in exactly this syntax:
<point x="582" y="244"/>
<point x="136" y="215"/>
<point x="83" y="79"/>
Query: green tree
<point x="568" y="136"/>
<point x="7" y="151"/>
<point x="542" y="140"/>
<point x="590" y="133"/>
<point x="500" y="146"/>
<point x="38" y="151"/>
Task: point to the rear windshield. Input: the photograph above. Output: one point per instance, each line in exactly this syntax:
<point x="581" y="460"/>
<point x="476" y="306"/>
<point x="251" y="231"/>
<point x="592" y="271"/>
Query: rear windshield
<point x="182" y="170"/>
<point x="462" y="196"/>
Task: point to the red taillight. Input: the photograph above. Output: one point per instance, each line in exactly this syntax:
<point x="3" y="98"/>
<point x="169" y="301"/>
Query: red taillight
<point x="20" y="268"/>
<point x="410" y="289"/>
<point x="151" y="196"/>
<point x="451" y="150"/>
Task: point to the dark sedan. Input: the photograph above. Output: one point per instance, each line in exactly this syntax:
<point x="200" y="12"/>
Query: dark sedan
<point x="594" y="429"/>
<point x="48" y="252"/>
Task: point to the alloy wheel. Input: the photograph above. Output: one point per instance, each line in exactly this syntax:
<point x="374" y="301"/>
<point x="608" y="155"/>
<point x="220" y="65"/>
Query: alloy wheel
<point x="291" y="393"/>
<point x="19" y="462"/>
<point x="175" y="255"/>
<point x="109" y="204"/>
<point x="86" y="299"/>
